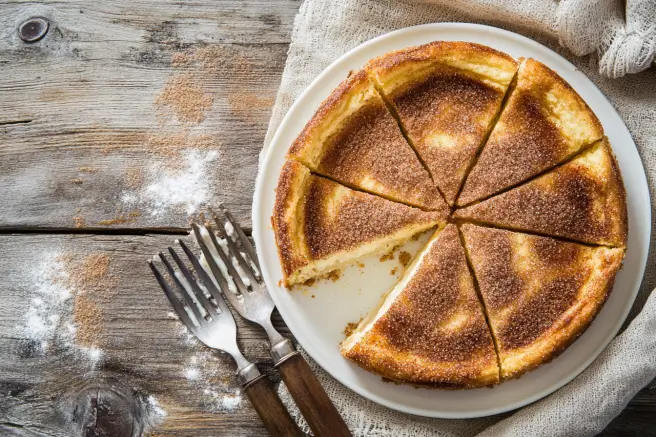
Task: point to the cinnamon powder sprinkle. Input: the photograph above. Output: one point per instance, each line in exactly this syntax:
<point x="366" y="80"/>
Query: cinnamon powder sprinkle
<point x="87" y="170"/>
<point x="94" y="267"/>
<point x="170" y="145"/>
<point x="78" y="221"/>
<point x="133" y="177"/>
<point x="87" y="317"/>
<point x="244" y="105"/>
<point x="185" y="99"/>
<point x="91" y="283"/>
<point x="130" y="218"/>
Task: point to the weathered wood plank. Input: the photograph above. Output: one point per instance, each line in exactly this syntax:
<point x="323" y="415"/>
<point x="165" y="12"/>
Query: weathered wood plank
<point x="99" y="121"/>
<point x="116" y="307"/>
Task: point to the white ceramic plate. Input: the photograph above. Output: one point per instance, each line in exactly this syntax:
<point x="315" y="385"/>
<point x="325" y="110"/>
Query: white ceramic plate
<point x="317" y="316"/>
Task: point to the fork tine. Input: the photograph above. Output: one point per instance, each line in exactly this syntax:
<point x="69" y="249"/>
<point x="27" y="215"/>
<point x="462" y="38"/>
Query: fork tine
<point x="234" y="251"/>
<point x="245" y="242"/>
<point x="216" y="271"/>
<point x="198" y="292"/>
<point x="236" y="277"/>
<point x="177" y="306"/>
<point x="200" y="271"/>
<point x="186" y="294"/>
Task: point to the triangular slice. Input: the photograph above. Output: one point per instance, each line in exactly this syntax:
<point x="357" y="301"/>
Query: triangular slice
<point x="353" y="139"/>
<point x="582" y="200"/>
<point x="321" y="226"/>
<point x="430" y="329"/>
<point x="447" y="95"/>
<point x="540" y="293"/>
<point x="544" y="123"/>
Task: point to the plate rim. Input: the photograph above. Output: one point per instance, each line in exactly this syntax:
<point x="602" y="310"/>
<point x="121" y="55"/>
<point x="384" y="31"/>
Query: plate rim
<point x="259" y="228"/>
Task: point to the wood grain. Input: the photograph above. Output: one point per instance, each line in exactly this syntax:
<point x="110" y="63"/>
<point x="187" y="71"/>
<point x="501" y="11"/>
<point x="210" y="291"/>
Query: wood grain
<point x="78" y="109"/>
<point x="310" y="397"/>
<point x="272" y="411"/>
<point x="145" y="352"/>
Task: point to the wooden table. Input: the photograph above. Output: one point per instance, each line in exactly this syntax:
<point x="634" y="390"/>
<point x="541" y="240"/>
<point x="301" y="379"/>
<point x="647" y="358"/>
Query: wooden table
<point x="109" y="125"/>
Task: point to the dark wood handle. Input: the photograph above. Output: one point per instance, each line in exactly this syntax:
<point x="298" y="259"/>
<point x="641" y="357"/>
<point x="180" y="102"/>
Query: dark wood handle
<point x="271" y="409"/>
<point x="311" y="398"/>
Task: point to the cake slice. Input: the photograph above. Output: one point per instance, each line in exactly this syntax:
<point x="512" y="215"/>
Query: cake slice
<point x="583" y="200"/>
<point x="446" y="95"/>
<point x="540" y="293"/>
<point x="321" y="226"/>
<point x="429" y="329"/>
<point x="544" y="123"/>
<point x="353" y="139"/>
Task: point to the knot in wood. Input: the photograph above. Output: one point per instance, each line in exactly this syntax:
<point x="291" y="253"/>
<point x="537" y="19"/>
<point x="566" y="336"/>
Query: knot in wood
<point x="104" y="409"/>
<point x="33" y="29"/>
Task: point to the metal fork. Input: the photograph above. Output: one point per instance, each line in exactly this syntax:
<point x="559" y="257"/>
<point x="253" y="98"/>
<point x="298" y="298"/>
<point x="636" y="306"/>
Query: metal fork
<point x="254" y="303"/>
<point x="208" y="317"/>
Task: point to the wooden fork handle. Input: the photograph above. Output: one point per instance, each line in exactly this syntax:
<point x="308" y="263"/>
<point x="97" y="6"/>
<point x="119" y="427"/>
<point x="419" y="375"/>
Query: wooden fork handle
<point x="310" y="397"/>
<point x="268" y="405"/>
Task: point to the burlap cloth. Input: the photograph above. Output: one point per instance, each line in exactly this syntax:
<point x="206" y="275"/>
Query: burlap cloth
<point x="619" y="43"/>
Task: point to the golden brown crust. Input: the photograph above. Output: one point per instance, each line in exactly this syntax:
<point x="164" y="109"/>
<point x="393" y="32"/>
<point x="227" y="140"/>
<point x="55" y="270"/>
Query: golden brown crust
<point x="446" y="99"/>
<point x="315" y="218"/>
<point x="583" y="200"/>
<point x="457" y="54"/>
<point x="543" y="123"/>
<point x="434" y="333"/>
<point x="353" y="139"/>
<point x="291" y="187"/>
<point x="540" y="293"/>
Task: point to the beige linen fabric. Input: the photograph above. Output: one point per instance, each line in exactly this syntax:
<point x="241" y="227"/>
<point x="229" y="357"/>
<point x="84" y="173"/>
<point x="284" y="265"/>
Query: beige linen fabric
<point x="324" y="30"/>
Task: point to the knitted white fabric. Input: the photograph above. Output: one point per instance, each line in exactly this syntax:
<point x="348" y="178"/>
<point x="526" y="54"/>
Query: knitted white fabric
<point x="324" y="30"/>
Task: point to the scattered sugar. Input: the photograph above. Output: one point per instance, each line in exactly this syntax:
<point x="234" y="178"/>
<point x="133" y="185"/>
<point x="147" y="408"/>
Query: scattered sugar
<point x="231" y="402"/>
<point x="53" y="316"/>
<point x="185" y="188"/>
<point x="222" y="401"/>
<point x="192" y="374"/>
<point x="153" y="407"/>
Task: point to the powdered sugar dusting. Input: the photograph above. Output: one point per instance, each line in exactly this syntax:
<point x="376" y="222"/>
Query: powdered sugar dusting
<point x="186" y="186"/>
<point x="49" y="320"/>
<point x="202" y="370"/>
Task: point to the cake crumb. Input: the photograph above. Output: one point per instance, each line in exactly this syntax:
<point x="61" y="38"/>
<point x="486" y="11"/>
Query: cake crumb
<point x="393" y="272"/>
<point x="85" y="169"/>
<point x="310" y="282"/>
<point x="404" y="258"/>
<point x="76" y="181"/>
<point x="351" y="327"/>
<point x="416" y="237"/>
<point x="388" y="256"/>
<point x="334" y="275"/>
